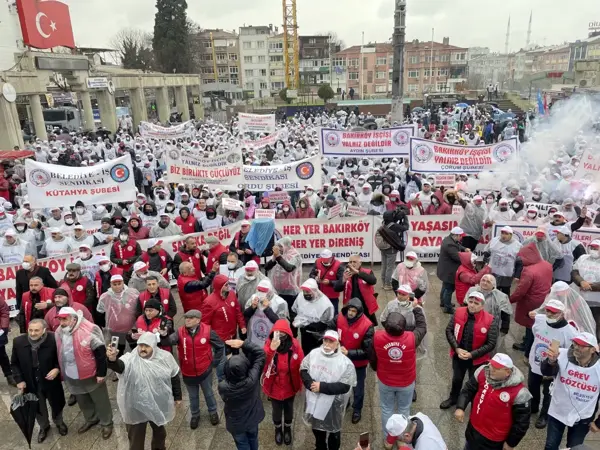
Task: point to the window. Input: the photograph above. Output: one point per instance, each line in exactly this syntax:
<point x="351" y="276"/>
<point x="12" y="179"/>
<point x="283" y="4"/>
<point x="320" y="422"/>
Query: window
<point x="426" y="73"/>
<point x="263" y="85"/>
<point x="428" y="59"/>
<point x="263" y="72"/>
<point x="248" y="59"/>
<point x="233" y="57"/>
<point x="206" y="57"/>
<point x="276" y="45"/>
<point x="413" y="88"/>
<point x="224" y="80"/>
<point x="414" y="60"/>
<point x="262" y="59"/>
<point x="312" y="41"/>
<point x="442" y="72"/>
<point x="208" y="70"/>
<point x="207" y="44"/>
<point x="278" y="58"/>
<point x="339" y="62"/>
<point x="249" y="86"/>
<point x="413" y="74"/>
<point x="277" y="85"/>
<point x="381" y="88"/>
<point x="444" y="58"/>
<point x="207" y="80"/>
<point x="353" y="75"/>
<point x="233" y="70"/>
<point x="365" y="89"/>
<point x="381" y="61"/>
<point x="247" y="45"/>
<point x="441" y="87"/>
<point x="380" y="75"/>
<point x="260" y="44"/>
<point x="365" y="62"/>
<point x="221" y="56"/>
<point x="222" y="70"/>
<point x="370" y="76"/>
<point x="353" y="62"/>
<point x="234" y="81"/>
<point x="249" y="73"/>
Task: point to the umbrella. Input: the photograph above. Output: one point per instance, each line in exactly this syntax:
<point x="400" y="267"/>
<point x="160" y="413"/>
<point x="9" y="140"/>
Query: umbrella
<point x="418" y="109"/>
<point x="462" y="105"/>
<point x="342" y="113"/>
<point x="23" y="409"/>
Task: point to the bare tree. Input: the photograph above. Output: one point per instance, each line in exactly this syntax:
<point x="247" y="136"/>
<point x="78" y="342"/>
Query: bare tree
<point x="334" y="39"/>
<point x="135" y="48"/>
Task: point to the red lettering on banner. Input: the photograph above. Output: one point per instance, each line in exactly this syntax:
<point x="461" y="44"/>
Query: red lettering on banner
<point x="346" y="228"/>
<point x="7" y="294"/>
<point x="427" y="241"/>
<point x="433" y="225"/>
<point x="317" y="243"/>
<point x="311" y="229"/>
<point x="346" y="242"/>
<point x="8" y="274"/>
<point x="106" y="190"/>
<point x="301" y="243"/>
<point x="291" y="229"/>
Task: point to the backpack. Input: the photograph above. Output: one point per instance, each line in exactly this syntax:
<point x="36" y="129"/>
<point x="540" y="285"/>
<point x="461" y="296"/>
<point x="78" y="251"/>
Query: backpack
<point x="380" y="242"/>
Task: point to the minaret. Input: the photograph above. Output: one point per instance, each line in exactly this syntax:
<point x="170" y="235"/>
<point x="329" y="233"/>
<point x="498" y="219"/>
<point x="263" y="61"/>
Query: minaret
<point x="529" y="31"/>
<point x="507" y="36"/>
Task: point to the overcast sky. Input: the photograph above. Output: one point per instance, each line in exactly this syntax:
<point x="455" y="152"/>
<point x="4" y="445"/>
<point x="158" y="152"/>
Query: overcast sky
<point x="466" y="22"/>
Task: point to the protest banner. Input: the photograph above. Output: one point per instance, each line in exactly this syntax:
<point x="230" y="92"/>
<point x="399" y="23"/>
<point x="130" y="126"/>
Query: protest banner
<point x="444" y="179"/>
<point x="390" y="142"/>
<point x="256" y="123"/>
<point x="335" y="211"/>
<point x="264" y="214"/>
<point x="429" y="156"/>
<point x="278" y="196"/>
<point x="589" y="168"/>
<point x="262" y="142"/>
<point x="541" y="207"/>
<point x="356" y="211"/>
<point x="231" y="204"/>
<point x="226" y="170"/>
<point x="150" y="130"/>
<point x="523" y="231"/>
<point x="289" y="177"/>
<point x="53" y="185"/>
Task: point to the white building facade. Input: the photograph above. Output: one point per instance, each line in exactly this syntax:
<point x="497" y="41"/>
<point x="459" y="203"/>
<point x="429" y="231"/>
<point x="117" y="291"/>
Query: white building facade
<point x="254" y="60"/>
<point x="493" y="68"/>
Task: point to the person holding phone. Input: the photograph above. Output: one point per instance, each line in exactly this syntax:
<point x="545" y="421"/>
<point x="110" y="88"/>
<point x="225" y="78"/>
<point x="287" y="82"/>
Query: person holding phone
<point x="418" y="431"/>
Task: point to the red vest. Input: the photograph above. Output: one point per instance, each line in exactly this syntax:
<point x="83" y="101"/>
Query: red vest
<point x="214" y="255"/>
<point x="194" y="259"/>
<point x="46" y="294"/>
<point x="125" y="251"/>
<point x="491" y="410"/>
<point x="351" y="336"/>
<point x="328" y="273"/>
<point x="483" y="323"/>
<point x="114" y="270"/>
<point x="163" y="260"/>
<point x="236" y="243"/>
<point x="163" y="294"/>
<point x="366" y="291"/>
<point x="396" y="358"/>
<point x="77" y="289"/>
<point x="152" y="327"/>
<point x="461" y="287"/>
<point x="188" y="225"/>
<point x="195" y="300"/>
<point x="195" y="353"/>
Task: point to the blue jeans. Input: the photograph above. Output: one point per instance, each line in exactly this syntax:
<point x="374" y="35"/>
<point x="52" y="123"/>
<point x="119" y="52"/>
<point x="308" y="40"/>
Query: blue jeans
<point x="575" y="434"/>
<point x="247" y="440"/>
<point x="359" y="389"/>
<point x="209" y="396"/>
<point x="394" y="400"/>
<point x="221" y="366"/>
<point x="446" y="295"/>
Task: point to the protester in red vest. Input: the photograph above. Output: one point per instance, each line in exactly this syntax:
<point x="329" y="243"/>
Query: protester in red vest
<point x="500" y="406"/>
<point x="157" y="258"/>
<point x="196" y="343"/>
<point x="472" y="334"/>
<point x="189" y="252"/>
<point x="467" y="276"/>
<point x="154" y="320"/>
<point x="82" y="289"/>
<point x="393" y="356"/>
<point x="63" y="297"/>
<point x="192" y="291"/>
<point x="136" y="228"/>
<point x="241" y="247"/>
<point x="153" y="292"/>
<point x="356" y="339"/>
<point x="281" y="377"/>
<point x="124" y="254"/>
<point x="36" y="303"/>
<point x="217" y="252"/>
<point x="187" y="222"/>
<point x="358" y="282"/>
<point x="328" y="271"/>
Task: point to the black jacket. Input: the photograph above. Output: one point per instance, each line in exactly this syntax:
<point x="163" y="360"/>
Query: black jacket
<point x="240" y="390"/>
<point x="177" y="261"/>
<point x="339" y="275"/>
<point x="91" y="299"/>
<point x="359" y="354"/>
<point x="449" y="261"/>
<point x="22" y="281"/>
<point x="169" y="310"/>
<point x="21" y="364"/>
<point x="466" y="342"/>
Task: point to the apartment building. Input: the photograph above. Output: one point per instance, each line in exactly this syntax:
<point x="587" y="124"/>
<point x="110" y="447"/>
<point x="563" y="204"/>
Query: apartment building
<point x="277" y="62"/>
<point x="220" y="56"/>
<point x="491" y="68"/>
<point x="366" y="69"/>
<point x="553" y="58"/>
<point x="315" y="58"/>
<point x="254" y="60"/>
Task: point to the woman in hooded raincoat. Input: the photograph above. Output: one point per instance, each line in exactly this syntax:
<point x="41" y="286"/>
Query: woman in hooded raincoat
<point x="312" y="311"/>
<point x="262" y="310"/>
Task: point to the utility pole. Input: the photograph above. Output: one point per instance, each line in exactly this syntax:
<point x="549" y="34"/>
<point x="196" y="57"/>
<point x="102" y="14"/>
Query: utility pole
<point x="397" y="112"/>
<point x="529" y="31"/>
<point x="507" y="37"/>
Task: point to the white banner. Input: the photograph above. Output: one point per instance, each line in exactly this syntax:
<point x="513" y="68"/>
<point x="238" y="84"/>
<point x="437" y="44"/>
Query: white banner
<point x="53" y="185"/>
<point x="264" y="213"/>
<point x="430" y="156"/>
<point x="257" y="123"/>
<point x="185" y="166"/>
<point x="386" y="142"/>
<point x="523" y="231"/>
<point x="356" y="211"/>
<point x="150" y="130"/>
<point x="541" y="207"/>
<point x="289" y="177"/>
<point x="262" y="142"/>
<point x="444" y="179"/>
<point x="589" y="168"/>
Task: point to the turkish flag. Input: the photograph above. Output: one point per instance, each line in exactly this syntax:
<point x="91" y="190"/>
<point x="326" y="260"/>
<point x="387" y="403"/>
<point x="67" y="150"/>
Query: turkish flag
<point x="45" y="24"/>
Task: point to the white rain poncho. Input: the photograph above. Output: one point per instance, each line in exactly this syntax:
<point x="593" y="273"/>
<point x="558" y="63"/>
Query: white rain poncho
<point x="577" y="310"/>
<point x="589" y="269"/>
<point x="287" y="283"/>
<point x="472" y="221"/>
<point x="144" y="392"/>
<point x="246" y="288"/>
<point x="548" y="248"/>
<point x="259" y="325"/>
<point x="503" y="256"/>
<point x="319" y="309"/>
<point x="326" y="412"/>
<point x="416" y="277"/>
<point x="119" y="309"/>
<point x="406" y="309"/>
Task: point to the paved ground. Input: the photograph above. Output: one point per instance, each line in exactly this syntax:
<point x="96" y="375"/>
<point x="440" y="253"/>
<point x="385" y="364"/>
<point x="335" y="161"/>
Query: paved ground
<point x="433" y="384"/>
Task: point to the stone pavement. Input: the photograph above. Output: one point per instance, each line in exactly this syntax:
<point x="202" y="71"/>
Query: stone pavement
<point x="433" y="385"/>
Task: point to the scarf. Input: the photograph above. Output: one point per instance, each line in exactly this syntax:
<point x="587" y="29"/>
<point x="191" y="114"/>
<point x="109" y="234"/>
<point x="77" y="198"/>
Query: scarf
<point x="35" y="346"/>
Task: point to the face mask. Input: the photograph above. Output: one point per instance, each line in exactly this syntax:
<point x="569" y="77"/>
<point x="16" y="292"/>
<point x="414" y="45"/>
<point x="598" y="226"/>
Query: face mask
<point x="515" y="206"/>
<point x="21" y="228"/>
<point x="250" y="277"/>
<point x="143" y="275"/>
<point x="286" y="208"/>
<point x="595" y="253"/>
<point x="302" y="205"/>
<point x="80" y="210"/>
<point x="551" y="321"/>
<point x="26" y="266"/>
<point x="105" y="267"/>
<point x="69" y="221"/>
<point x="84" y="255"/>
<point x="531" y="215"/>
<point x="124" y="237"/>
<point x="409" y="264"/>
<point x="231" y="266"/>
<point x="327" y="351"/>
<point x="261" y="295"/>
<point x="489" y="201"/>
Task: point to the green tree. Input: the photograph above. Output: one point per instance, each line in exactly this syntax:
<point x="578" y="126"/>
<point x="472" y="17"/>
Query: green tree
<point x="283" y="96"/>
<point x="325" y="92"/>
<point x="171" y="36"/>
<point x="134" y="48"/>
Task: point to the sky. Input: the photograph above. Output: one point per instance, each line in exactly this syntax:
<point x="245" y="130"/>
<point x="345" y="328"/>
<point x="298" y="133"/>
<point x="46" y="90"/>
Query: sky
<point x="466" y="22"/>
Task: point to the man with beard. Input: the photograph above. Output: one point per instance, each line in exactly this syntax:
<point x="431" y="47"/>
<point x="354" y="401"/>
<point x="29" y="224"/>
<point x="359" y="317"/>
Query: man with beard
<point x="35" y="303"/>
<point x="189" y="252"/>
<point x="164" y="228"/>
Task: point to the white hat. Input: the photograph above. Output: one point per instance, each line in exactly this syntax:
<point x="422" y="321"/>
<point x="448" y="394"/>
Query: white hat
<point x="405" y="289"/>
<point x="10" y="232"/>
<point x="66" y="311"/>
<point x="396" y="425"/>
<point x="116" y="278"/>
<point x="85" y="246"/>
<point x="586" y="339"/>
<point x="559" y="214"/>
<point x="331" y="335"/>
<point x="411" y="255"/>
<point x="54" y="230"/>
<point x="503" y="201"/>
<point x="559" y="286"/>
<point x="502" y="361"/>
<point x="251" y="265"/>
<point x="154" y="242"/>
<point x="478" y="295"/>
<point x="264" y="286"/>
<point x="477" y="197"/>
<point x="78" y="227"/>
<point x="555" y="306"/>
<point x="506" y="229"/>
<point x="139" y="266"/>
<point x="102" y="258"/>
<point x="245" y="222"/>
<point x="326" y="253"/>
<point x="457" y="230"/>
<point x="566" y="230"/>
